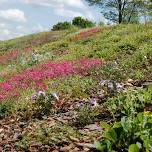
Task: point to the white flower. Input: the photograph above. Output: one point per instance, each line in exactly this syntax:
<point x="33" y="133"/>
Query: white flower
<point x="103" y="82"/>
<point x="41" y="93"/>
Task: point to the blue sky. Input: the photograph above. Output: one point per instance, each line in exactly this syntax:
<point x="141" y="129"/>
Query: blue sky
<point x="22" y="17"/>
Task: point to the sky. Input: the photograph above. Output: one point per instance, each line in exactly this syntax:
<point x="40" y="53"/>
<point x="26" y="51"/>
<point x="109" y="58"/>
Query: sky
<point x="23" y="17"/>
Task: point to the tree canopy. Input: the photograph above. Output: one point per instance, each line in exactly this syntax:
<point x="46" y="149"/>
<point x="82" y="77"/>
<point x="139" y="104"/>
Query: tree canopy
<point x="122" y="11"/>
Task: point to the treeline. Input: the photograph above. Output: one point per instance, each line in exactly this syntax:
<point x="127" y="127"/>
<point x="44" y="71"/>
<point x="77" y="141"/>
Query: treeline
<point x="77" y="21"/>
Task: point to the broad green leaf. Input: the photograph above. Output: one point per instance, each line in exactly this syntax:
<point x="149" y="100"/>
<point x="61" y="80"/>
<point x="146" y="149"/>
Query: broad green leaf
<point x="148" y="126"/>
<point x="150" y="88"/>
<point x="117" y="125"/>
<point x="133" y="148"/>
<point x="101" y="146"/>
<point x="140" y="117"/>
<point x="124" y="124"/>
<point x="139" y="145"/>
<point x="105" y="125"/>
<point x="111" y="135"/>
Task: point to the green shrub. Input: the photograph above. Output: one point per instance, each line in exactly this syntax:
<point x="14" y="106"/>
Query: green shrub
<point x="82" y="23"/>
<point x="129" y="102"/>
<point x="131" y="133"/>
<point x="86" y="115"/>
<point x="5" y="107"/>
<point x="61" y="26"/>
<point x="56" y="134"/>
<point x="127" y="47"/>
<point x="43" y="104"/>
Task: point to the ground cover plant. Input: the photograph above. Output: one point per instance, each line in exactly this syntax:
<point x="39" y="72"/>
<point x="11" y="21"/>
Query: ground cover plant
<point x="54" y="94"/>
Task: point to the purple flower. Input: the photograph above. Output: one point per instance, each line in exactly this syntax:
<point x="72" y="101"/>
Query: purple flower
<point x="34" y="97"/>
<point x="55" y="96"/>
<point x="104" y="82"/>
<point x="119" y="87"/>
<point x="93" y="102"/>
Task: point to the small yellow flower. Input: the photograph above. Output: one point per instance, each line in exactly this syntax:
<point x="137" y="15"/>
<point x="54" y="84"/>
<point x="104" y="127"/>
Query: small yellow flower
<point x="148" y="113"/>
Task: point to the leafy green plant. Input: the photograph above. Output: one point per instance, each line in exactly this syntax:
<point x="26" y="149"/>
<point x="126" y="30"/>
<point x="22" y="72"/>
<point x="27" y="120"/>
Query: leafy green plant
<point x="86" y="115"/>
<point x="75" y="85"/>
<point x="5" y="107"/>
<point x="43" y="104"/>
<point x="23" y="144"/>
<point x="131" y="133"/>
<point x="56" y="134"/>
<point x="129" y="102"/>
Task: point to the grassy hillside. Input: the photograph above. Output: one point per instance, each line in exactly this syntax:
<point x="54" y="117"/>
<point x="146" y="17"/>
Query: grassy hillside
<point x="56" y="87"/>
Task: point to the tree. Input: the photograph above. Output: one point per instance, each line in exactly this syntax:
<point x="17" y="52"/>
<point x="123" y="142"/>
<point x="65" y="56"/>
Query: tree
<point x="147" y="12"/>
<point x="62" y="26"/>
<point x="120" y="11"/>
<point x="82" y="23"/>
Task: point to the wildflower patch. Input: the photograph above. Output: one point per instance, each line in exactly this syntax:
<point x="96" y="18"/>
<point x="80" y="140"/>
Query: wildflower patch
<point x="35" y="77"/>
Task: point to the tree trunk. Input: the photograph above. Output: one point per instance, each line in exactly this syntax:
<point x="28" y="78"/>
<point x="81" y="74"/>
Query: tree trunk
<point x="131" y="13"/>
<point x="120" y="11"/>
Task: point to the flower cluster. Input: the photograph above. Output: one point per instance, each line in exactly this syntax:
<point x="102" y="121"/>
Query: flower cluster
<point x="36" y="77"/>
<point x="87" y="33"/>
<point x="12" y="55"/>
<point x="43" y="93"/>
<point x="112" y="86"/>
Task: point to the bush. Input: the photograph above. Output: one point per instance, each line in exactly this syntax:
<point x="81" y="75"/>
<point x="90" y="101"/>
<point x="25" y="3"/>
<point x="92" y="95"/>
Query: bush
<point x="43" y="104"/>
<point x="82" y="23"/>
<point x="129" y="103"/>
<point x="131" y="134"/>
<point x="62" y="26"/>
<point x="86" y="115"/>
<point x="5" y="107"/>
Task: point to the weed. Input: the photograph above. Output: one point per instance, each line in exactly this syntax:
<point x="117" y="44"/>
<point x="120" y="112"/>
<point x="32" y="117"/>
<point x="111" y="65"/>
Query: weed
<point x="86" y="115"/>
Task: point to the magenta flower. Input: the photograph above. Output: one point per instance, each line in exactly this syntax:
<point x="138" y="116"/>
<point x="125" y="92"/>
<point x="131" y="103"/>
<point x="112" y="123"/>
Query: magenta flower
<point x="36" y="76"/>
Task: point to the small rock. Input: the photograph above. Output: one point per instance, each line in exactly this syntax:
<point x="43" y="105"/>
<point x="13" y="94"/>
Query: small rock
<point x="86" y="149"/>
<point x="74" y="139"/>
<point x="65" y="149"/>
<point x="130" y="80"/>
<point x="75" y="149"/>
<point x="55" y="151"/>
<point x="85" y="145"/>
<point x="1" y="130"/>
<point x="128" y="84"/>
<point x="93" y="127"/>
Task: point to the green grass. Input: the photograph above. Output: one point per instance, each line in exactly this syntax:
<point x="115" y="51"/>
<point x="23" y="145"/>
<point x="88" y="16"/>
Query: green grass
<point x="127" y="52"/>
<point x="128" y="45"/>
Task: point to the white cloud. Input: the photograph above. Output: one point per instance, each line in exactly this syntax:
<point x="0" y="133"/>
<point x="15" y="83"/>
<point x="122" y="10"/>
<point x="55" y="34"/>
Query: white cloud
<point x="70" y="13"/>
<point x="66" y="13"/>
<point x="57" y="3"/>
<point x="26" y="30"/>
<point x="13" y="15"/>
<point x="74" y="3"/>
<point x="3" y="1"/>
<point x="5" y="32"/>
<point x="38" y="2"/>
<point x="61" y="7"/>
